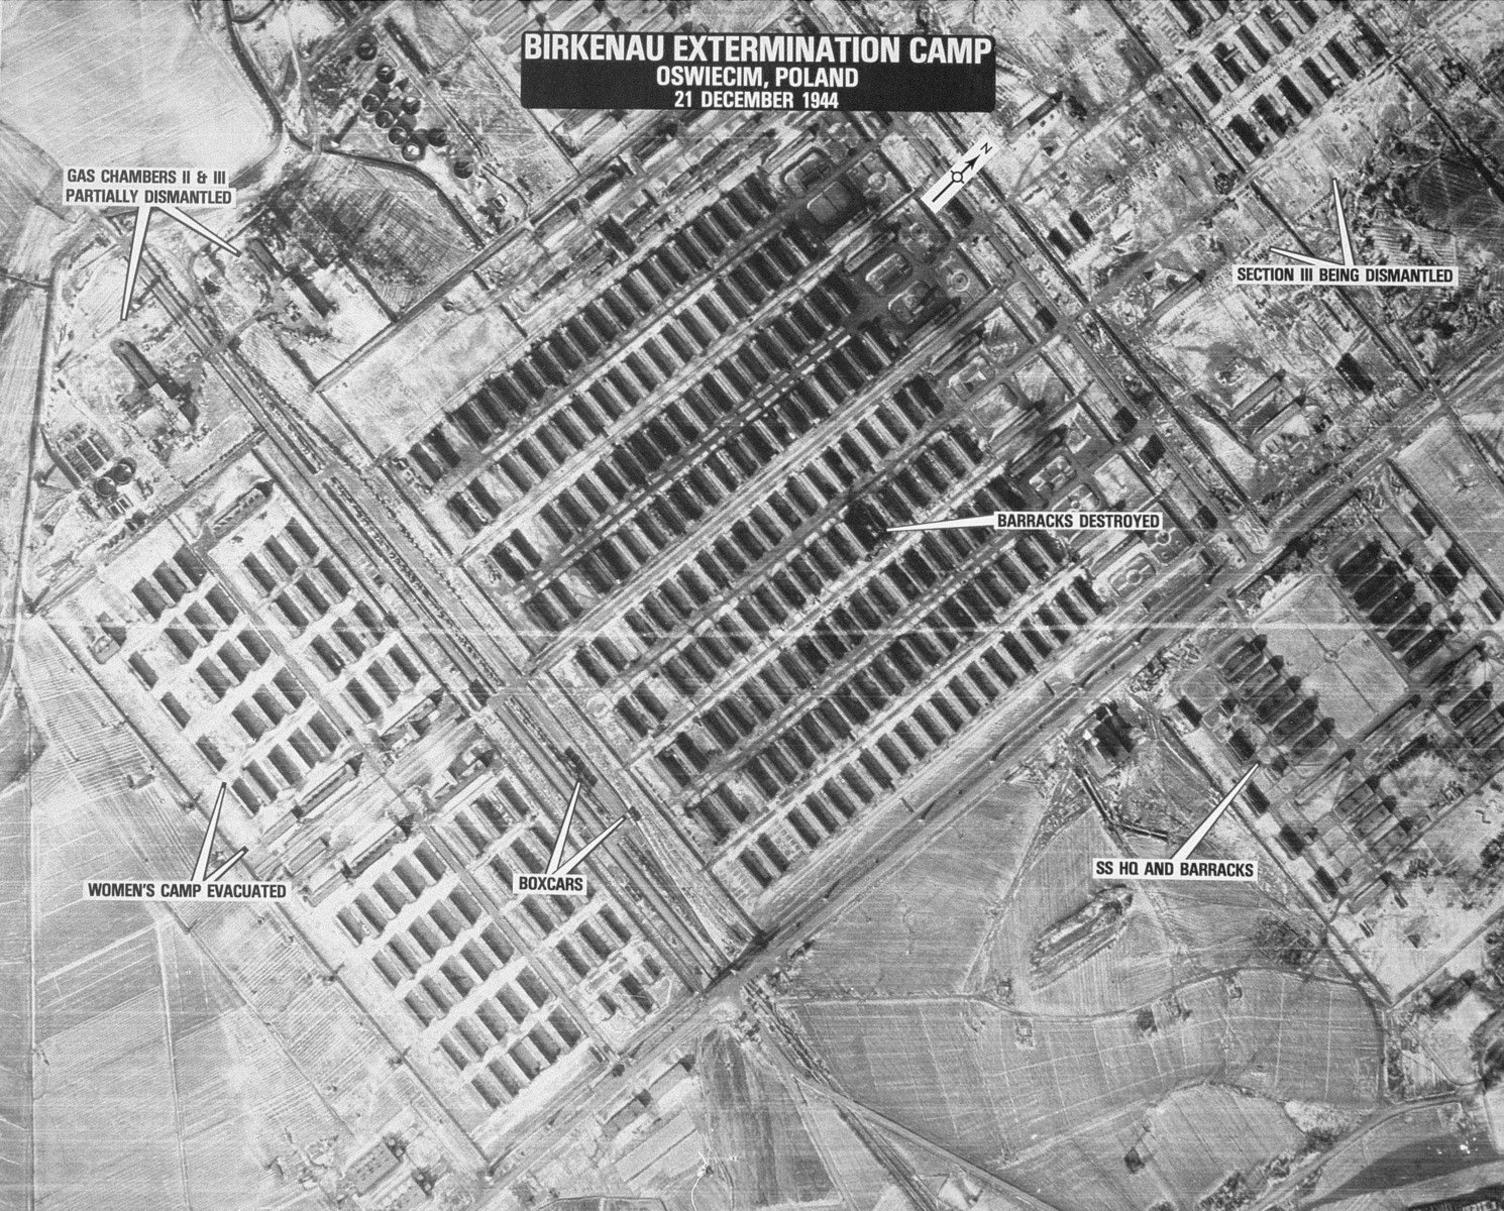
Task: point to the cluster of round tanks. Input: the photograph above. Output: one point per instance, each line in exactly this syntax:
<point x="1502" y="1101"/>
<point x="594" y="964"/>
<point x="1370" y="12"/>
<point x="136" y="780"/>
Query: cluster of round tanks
<point x="394" y="106"/>
<point x="108" y="485"/>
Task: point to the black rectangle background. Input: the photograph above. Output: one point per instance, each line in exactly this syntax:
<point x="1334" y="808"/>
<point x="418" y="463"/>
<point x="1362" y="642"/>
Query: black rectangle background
<point x="896" y="87"/>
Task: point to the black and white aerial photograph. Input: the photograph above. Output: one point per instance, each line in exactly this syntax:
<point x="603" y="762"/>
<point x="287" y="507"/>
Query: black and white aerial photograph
<point x="751" y="605"/>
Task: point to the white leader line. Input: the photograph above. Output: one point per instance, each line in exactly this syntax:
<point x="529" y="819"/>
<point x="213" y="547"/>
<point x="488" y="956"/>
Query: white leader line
<point x="556" y="863"/>
<point x="1343" y="237"/>
<point x="1205" y="826"/>
<point x="987" y="521"/>
<point x="201" y="867"/>
<point x="138" y="244"/>
<point x="193" y="225"/>
<point x="555" y="858"/>
<point x="223" y="868"/>
<point x="591" y="846"/>
<point x="133" y="265"/>
<point x="1347" y="244"/>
